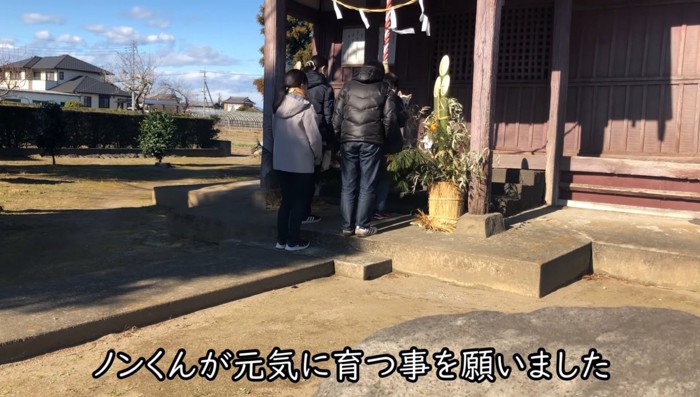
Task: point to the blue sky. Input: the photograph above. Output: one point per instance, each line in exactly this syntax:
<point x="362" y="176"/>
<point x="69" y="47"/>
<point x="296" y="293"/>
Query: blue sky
<point x="185" y="37"/>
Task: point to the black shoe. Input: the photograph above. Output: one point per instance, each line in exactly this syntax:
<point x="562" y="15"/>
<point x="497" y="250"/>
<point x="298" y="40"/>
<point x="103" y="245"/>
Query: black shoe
<point x="380" y="215"/>
<point x="311" y="219"/>
<point x="300" y="245"/>
<point x="348" y="233"/>
<point x="280" y="246"/>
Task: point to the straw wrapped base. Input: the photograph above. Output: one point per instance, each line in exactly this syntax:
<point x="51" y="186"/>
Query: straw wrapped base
<point x="434" y="224"/>
<point x="445" y="202"/>
<point x="445" y="205"/>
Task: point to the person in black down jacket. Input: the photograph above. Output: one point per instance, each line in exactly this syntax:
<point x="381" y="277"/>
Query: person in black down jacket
<point x="321" y="96"/>
<point x="362" y="117"/>
<point x="393" y="143"/>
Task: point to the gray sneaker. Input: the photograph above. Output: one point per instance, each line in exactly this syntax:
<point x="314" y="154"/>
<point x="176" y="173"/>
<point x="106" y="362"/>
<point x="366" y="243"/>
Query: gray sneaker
<point x="364" y="232"/>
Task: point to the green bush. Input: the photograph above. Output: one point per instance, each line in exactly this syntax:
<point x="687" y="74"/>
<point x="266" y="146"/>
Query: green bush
<point x="50" y="129"/>
<point x="98" y="128"/>
<point x="157" y="135"/>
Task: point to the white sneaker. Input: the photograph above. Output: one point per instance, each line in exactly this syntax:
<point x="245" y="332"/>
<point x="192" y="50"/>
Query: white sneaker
<point x="302" y="244"/>
<point x="362" y="232"/>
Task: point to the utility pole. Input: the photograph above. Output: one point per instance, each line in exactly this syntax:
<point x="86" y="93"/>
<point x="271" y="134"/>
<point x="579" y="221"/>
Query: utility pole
<point x="205" y="91"/>
<point x="133" y="79"/>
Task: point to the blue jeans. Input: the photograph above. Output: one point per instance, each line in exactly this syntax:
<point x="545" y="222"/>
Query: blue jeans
<point x="383" y="186"/>
<point x="359" y="174"/>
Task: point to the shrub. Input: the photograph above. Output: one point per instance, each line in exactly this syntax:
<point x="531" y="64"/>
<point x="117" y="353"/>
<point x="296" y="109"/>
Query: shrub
<point x="72" y="105"/>
<point x="157" y="134"/>
<point x="50" y="129"/>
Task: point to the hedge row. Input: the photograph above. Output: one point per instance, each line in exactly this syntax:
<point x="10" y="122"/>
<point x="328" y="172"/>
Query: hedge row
<point x="98" y="129"/>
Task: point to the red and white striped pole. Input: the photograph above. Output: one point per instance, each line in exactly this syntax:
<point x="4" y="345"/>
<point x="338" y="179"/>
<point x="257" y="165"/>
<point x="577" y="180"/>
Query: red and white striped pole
<point x="387" y="36"/>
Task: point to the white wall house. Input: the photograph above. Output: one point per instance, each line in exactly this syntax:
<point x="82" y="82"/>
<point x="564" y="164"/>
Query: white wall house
<point x="61" y="79"/>
<point x="236" y="103"/>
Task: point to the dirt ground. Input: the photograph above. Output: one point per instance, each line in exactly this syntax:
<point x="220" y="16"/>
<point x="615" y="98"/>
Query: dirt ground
<point x="320" y="316"/>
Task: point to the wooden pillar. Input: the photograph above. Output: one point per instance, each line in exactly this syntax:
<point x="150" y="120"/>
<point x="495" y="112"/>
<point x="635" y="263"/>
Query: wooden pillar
<point x="557" y="102"/>
<point x="274" y="54"/>
<point x="488" y="24"/>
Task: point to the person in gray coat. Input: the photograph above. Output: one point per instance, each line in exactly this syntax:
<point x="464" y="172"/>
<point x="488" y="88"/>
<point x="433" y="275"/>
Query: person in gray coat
<point x="297" y="149"/>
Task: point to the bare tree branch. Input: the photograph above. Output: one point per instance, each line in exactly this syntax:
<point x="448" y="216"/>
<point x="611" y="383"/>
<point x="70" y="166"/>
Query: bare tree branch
<point x="180" y="89"/>
<point x="11" y="77"/>
<point x="136" y="72"/>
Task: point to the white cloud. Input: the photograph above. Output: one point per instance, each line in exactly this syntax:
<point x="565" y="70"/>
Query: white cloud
<point x="159" y="38"/>
<point x="7" y="43"/>
<point x="67" y="38"/>
<point x="140" y="13"/>
<point x="45" y="35"/>
<point x="34" y="18"/>
<point x="126" y="34"/>
<point x="153" y="19"/>
<point x="97" y="28"/>
<point x="196" y="55"/>
<point x="42" y="35"/>
<point x="159" y="23"/>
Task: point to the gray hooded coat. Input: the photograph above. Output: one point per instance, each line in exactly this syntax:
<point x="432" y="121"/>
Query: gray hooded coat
<point x="297" y="144"/>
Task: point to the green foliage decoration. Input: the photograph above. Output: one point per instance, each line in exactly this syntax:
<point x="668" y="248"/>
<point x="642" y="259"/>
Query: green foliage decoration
<point x="443" y="152"/>
<point x="51" y="132"/>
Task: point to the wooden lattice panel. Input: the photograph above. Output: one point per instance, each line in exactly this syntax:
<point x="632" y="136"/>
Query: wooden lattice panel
<point x="454" y="36"/>
<point x="525" y="43"/>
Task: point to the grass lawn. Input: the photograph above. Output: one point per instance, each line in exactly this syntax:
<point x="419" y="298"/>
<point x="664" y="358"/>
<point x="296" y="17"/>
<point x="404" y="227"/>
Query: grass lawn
<point x="94" y="214"/>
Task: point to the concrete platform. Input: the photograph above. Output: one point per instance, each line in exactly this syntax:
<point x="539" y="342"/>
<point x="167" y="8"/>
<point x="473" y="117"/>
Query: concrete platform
<point x="646" y="249"/>
<point x="53" y="315"/>
<point x="532" y="262"/>
<point x="543" y="249"/>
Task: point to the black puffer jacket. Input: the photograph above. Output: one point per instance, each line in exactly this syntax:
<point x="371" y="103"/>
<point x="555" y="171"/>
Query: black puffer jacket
<point x="362" y="111"/>
<point x="320" y="94"/>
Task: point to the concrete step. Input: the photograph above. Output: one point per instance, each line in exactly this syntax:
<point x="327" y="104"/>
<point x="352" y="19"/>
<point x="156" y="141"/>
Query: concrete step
<point x="647" y="249"/>
<point x="203" y="195"/>
<point x="532" y="263"/>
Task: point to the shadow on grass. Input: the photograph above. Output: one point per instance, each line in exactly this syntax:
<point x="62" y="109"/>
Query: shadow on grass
<point x="133" y="173"/>
<point x="34" y="181"/>
<point x="93" y="258"/>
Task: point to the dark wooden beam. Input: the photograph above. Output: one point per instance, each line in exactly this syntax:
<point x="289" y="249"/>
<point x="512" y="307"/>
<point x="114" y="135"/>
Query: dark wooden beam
<point x="631" y="192"/>
<point x="274" y="53"/>
<point x="488" y="24"/>
<point x="558" y="96"/>
<point x="298" y="10"/>
<point x="600" y="165"/>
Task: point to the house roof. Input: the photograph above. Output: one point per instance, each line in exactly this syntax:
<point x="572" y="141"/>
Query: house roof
<point x="60" y="62"/>
<point x="164" y="102"/>
<point x="239" y="100"/>
<point x="89" y="85"/>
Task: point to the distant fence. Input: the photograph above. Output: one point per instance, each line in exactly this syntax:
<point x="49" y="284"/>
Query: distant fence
<point x="233" y="119"/>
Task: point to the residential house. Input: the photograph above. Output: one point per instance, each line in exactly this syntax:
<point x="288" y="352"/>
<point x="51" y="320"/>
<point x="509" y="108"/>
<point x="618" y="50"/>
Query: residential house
<point x="237" y="102"/>
<point x="602" y="94"/>
<point x="163" y="102"/>
<point x="62" y="79"/>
